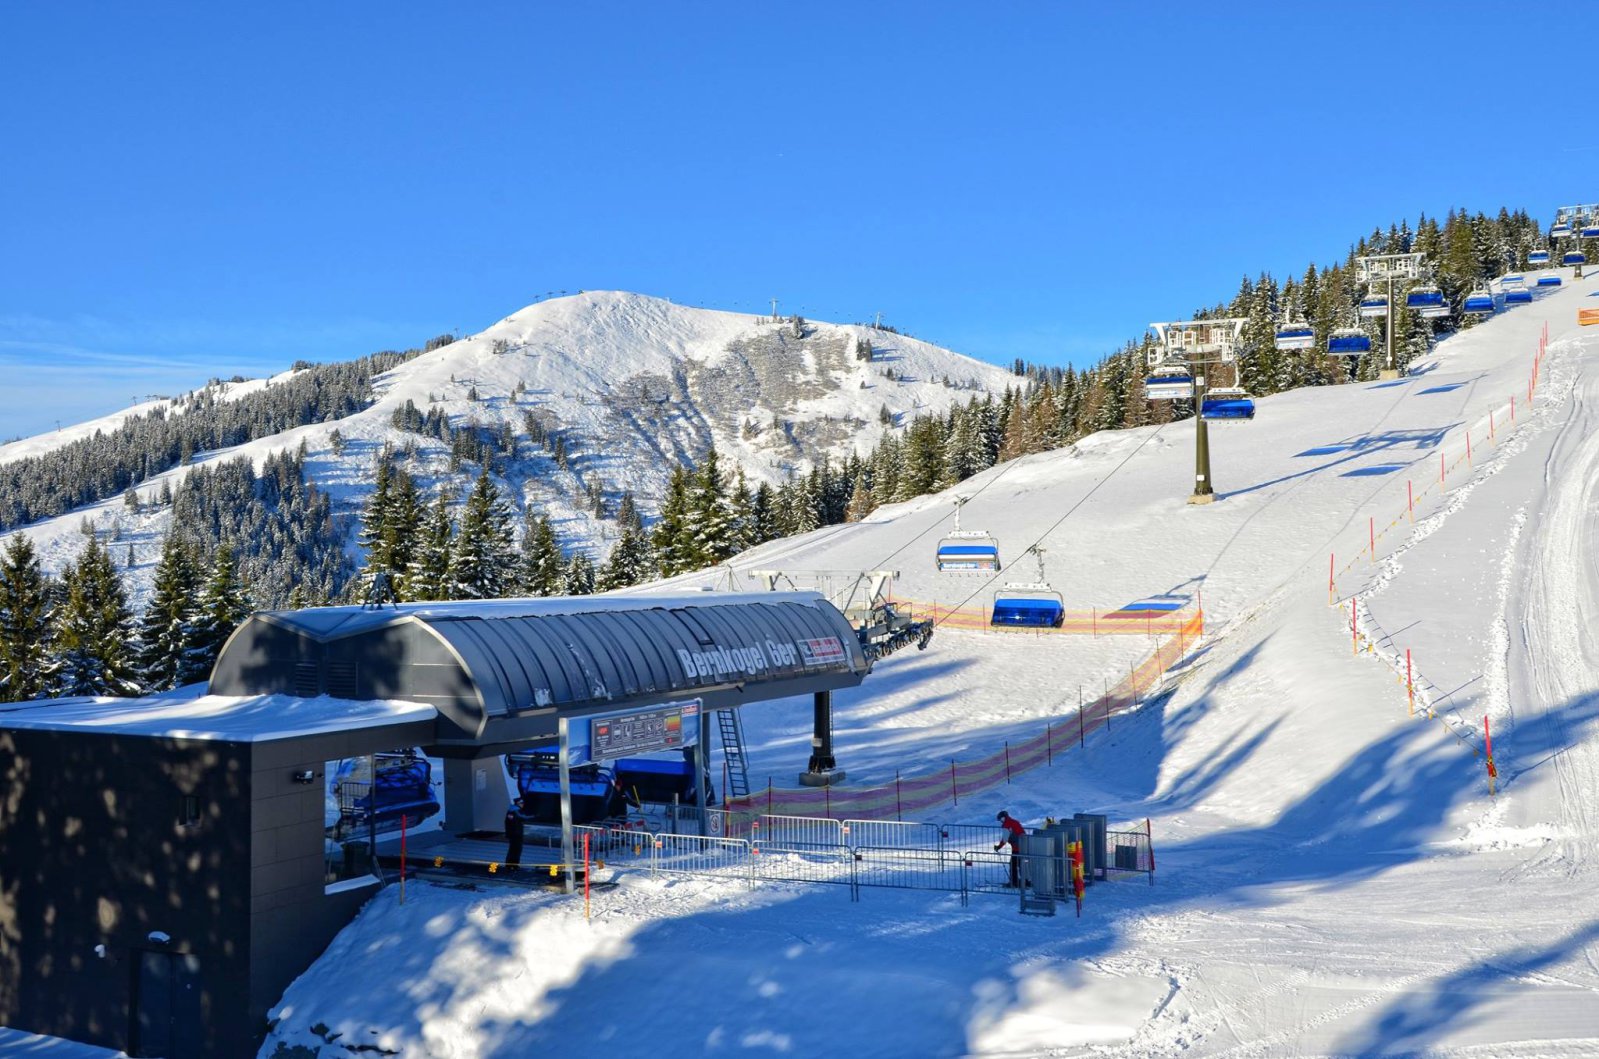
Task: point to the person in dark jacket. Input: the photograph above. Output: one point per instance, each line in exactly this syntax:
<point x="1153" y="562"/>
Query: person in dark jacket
<point x="513" y="833"/>
<point x="1013" y="837"/>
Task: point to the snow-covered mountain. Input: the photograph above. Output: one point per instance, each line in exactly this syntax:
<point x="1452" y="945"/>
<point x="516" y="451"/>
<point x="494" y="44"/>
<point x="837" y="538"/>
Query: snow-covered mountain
<point x="630" y="385"/>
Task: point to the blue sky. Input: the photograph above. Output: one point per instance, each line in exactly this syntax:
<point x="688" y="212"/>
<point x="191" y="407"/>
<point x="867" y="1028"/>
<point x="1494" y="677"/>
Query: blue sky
<point x="207" y="189"/>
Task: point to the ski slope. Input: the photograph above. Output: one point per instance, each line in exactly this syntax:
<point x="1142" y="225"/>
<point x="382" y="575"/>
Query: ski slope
<point x="1333" y="877"/>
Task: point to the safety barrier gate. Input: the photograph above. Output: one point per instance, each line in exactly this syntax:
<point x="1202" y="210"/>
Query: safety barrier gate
<point x="860" y="854"/>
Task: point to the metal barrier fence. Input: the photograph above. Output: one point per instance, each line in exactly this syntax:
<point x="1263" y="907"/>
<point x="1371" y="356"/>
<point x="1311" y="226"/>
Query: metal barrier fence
<point x="893" y="834"/>
<point x="906" y="869"/>
<point x="950" y="858"/>
<point x="1129" y="852"/>
<point x="909" y="795"/>
<point x="700" y="855"/>
<point x="797" y="833"/>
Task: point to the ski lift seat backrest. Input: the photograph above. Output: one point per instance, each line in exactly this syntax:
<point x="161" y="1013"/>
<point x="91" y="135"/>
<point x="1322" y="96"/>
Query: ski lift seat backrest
<point x="1424" y="298"/>
<point x="1548" y="281"/>
<point x="402" y="789"/>
<point x="1518" y="296"/>
<point x="967" y="554"/>
<point x="1348" y="342"/>
<point x="1227" y="406"/>
<point x="1590" y="230"/>
<point x="1479" y="302"/>
<point x="1538" y="257"/>
<point x="1027" y="611"/>
<point x="1574" y="257"/>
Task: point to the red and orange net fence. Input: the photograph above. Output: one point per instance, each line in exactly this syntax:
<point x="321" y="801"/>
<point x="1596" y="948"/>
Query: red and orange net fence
<point x="957" y="780"/>
<point x="1124" y="621"/>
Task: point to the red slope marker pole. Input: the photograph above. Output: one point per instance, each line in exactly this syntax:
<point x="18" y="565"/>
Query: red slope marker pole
<point x="1332" y="592"/>
<point x="1410" y="492"/>
<point x="1468" y="448"/>
<point x="1373" y="521"/>
<point x="1410" y="684"/>
<point x="1488" y="743"/>
<point x="1443" y="468"/>
<point x="1491" y="433"/>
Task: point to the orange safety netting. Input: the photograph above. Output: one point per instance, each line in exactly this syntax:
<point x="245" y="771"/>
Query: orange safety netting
<point x="1125" y="621"/>
<point x="914" y="794"/>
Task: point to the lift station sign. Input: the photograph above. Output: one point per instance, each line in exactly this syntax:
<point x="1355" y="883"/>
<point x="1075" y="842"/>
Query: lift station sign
<point x="722" y="662"/>
<point x="674" y="726"/>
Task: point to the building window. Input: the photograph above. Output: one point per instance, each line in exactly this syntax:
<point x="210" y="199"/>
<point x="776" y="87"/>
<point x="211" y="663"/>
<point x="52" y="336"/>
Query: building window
<point x="349" y="845"/>
<point x="189" y="813"/>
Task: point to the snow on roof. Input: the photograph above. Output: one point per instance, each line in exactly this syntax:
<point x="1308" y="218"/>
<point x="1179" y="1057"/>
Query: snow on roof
<point x="247" y="719"/>
<point x="324" y="622"/>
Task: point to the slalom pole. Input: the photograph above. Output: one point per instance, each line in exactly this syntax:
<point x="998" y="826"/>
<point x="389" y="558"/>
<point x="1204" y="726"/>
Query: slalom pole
<point x="1373" y="526"/>
<point x="1410" y="492"/>
<point x="1488" y="744"/>
<point x="1410" y="684"/>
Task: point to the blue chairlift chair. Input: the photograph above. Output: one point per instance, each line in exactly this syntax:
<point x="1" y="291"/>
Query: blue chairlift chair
<point x="1538" y="257"/>
<point x="1479" y="302"/>
<point x="970" y="550"/>
<point x="1028" y="605"/>
<point x="1295" y="336"/>
<point x="1548" y="281"/>
<point x="1374" y="305"/>
<point x="1229" y="403"/>
<point x="402" y="789"/>
<point x="1171" y="386"/>
<point x="1427" y="300"/>
<point x="1574" y="257"/>
<point x="1561" y="230"/>
<point x="1348" y="342"/>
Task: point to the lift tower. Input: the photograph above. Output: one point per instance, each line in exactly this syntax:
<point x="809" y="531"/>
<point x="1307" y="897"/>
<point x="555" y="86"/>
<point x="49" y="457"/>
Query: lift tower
<point x="1189" y="345"/>
<point x="1374" y="269"/>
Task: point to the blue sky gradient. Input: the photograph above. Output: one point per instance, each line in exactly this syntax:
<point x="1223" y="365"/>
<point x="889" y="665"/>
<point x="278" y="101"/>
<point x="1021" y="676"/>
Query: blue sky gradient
<point x="202" y="189"/>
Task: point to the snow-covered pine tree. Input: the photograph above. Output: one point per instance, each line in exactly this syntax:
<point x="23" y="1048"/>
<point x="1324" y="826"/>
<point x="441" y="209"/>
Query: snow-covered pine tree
<point x="544" y="566"/>
<point x="710" y="518"/>
<point x="579" y="579"/>
<point x="93" y="629"/>
<point x="167" y="631"/>
<point x="27" y="612"/>
<point x="483" y="561"/>
<point x="428" y="576"/>
<point x="631" y="561"/>
<point x="673" y="535"/>
<point x="224" y="603"/>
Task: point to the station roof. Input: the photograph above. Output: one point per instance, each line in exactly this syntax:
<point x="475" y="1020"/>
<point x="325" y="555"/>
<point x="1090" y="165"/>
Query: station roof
<point x="505" y="670"/>
<point x="236" y="719"/>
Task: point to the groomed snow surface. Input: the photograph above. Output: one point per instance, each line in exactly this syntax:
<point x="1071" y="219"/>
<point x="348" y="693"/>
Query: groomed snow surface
<point x="1333" y="876"/>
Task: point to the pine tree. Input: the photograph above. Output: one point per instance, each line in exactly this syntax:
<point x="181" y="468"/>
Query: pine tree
<point x="543" y="564"/>
<point x="224" y="604"/>
<point x="428" y="576"/>
<point x="579" y="579"/>
<point x="711" y="538"/>
<point x="673" y="535"/>
<point x="167" y="632"/>
<point x="483" y="562"/>
<point x="27" y="611"/>
<point x="93" y="629"/>
<point x="631" y="562"/>
<point x="860" y="500"/>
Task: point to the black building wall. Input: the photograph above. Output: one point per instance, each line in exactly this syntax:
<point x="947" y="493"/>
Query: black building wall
<point x="95" y="850"/>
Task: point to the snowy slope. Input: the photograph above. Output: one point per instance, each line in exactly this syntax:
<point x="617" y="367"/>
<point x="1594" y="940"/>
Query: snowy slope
<point x="1334" y="879"/>
<point x="636" y="384"/>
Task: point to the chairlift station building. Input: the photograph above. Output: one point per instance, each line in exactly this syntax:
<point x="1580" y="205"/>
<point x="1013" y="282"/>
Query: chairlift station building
<point x="163" y="861"/>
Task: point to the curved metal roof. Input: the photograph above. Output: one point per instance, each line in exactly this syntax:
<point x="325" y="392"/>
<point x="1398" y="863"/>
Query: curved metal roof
<point x="557" y="656"/>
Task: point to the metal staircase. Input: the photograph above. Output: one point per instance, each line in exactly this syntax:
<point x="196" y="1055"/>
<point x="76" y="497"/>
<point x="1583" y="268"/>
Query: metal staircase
<point x="732" y="732"/>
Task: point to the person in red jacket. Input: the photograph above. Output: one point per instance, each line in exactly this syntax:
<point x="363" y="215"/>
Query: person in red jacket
<point x="1013" y="834"/>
